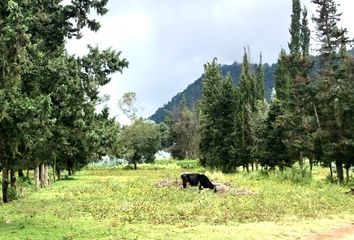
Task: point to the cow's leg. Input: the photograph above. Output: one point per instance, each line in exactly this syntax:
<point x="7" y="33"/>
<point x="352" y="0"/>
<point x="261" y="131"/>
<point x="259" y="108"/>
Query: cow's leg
<point x="200" y="187"/>
<point x="184" y="182"/>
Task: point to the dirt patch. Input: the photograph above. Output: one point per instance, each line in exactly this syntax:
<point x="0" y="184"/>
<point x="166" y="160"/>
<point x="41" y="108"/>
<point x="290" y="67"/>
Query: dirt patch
<point x="342" y="233"/>
<point x="167" y="182"/>
<point x="230" y="189"/>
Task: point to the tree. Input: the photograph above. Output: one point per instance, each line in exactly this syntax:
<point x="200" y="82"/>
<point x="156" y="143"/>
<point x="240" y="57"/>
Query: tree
<point x="217" y="115"/>
<point x="184" y="133"/>
<point x="127" y="105"/>
<point x="249" y="93"/>
<point x="283" y="79"/>
<point x="15" y="62"/>
<point x="298" y="103"/>
<point x="260" y="80"/>
<point x="295" y="30"/>
<point x="331" y="82"/>
<point x="48" y="96"/>
<point x="275" y="153"/>
<point x="165" y="131"/>
<point x="141" y="141"/>
<point x="210" y="111"/>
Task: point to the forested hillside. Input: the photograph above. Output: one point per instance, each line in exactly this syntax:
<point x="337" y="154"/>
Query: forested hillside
<point x="194" y="91"/>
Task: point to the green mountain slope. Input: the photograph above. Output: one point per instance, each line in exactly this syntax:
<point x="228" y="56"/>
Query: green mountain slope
<point x="194" y="91"/>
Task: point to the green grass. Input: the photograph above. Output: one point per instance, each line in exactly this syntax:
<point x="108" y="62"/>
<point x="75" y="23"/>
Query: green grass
<point x="114" y="203"/>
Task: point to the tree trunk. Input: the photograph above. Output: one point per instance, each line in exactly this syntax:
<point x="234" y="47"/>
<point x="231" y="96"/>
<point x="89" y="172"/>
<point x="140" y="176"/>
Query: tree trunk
<point x="257" y="166"/>
<point x="5" y="185"/>
<point x="311" y="164"/>
<point x="45" y="175"/>
<point x="41" y="176"/>
<point x="20" y="173"/>
<point x="317" y="119"/>
<point x="340" y="174"/>
<point x="331" y="171"/>
<point x="347" y="173"/>
<point x="54" y="168"/>
<point x="58" y="173"/>
<point x="301" y="162"/>
<point x="27" y="173"/>
<point x="12" y="178"/>
<point x="36" y="177"/>
<point x="135" y="167"/>
<point x="252" y="166"/>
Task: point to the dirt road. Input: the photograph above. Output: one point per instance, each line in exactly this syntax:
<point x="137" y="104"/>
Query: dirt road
<point x="343" y="233"/>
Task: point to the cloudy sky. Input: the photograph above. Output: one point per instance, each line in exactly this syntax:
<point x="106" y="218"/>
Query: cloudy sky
<point x="167" y="42"/>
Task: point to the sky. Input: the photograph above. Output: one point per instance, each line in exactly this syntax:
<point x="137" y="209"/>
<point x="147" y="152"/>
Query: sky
<point x="168" y="42"/>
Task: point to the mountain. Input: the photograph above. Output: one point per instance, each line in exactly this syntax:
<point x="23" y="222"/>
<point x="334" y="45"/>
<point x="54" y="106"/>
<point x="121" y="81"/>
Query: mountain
<point x="194" y="91"/>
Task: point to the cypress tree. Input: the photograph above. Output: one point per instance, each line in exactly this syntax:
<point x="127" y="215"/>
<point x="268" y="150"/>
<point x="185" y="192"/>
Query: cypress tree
<point x="247" y="105"/>
<point x="331" y="82"/>
<point x="216" y="120"/>
<point x="295" y="28"/>
<point x="283" y="81"/>
<point x="210" y="111"/>
<point x="305" y="35"/>
<point x="260" y="80"/>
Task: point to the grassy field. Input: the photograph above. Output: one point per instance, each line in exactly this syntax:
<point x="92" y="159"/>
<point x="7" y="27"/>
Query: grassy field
<point x="115" y="203"/>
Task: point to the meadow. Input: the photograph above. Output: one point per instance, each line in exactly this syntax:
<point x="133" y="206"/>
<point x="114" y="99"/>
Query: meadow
<point x="119" y="203"/>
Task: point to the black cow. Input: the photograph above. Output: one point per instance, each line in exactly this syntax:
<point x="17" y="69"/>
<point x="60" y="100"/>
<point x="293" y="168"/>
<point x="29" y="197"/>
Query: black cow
<point x="197" y="179"/>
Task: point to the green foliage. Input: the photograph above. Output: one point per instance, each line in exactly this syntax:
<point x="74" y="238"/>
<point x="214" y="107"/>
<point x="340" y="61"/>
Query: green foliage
<point x="48" y="96"/>
<point x="184" y="133"/>
<point x="217" y="108"/>
<point x="188" y="164"/>
<point x="283" y="80"/>
<point x="141" y="141"/>
<point x="260" y="91"/>
<point x="275" y="153"/>
<point x="295" y="30"/>
<point x="333" y="80"/>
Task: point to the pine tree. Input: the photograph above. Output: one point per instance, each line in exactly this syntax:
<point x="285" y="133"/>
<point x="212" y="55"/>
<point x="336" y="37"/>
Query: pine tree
<point x="330" y="82"/>
<point x="305" y="35"/>
<point x="210" y="111"/>
<point x="296" y="115"/>
<point x="283" y="81"/>
<point x="216" y="120"/>
<point x="248" y="85"/>
<point x="275" y="152"/>
<point x="248" y="95"/>
<point x="295" y="28"/>
<point x="260" y="80"/>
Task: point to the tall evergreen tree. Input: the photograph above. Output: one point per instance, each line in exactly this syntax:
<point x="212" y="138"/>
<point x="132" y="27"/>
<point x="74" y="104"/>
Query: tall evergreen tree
<point x="295" y="42"/>
<point x="298" y="102"/>
<point x="248" y="97"/>
<point x="283" y="81"/>
<point x="216" y="120"/>
<point x="52" y="95"/>
<point x="330" y="82"/>
<point x="210" y="111"/>
<point x="260" y="80"/>
<point x="305" y="35"/>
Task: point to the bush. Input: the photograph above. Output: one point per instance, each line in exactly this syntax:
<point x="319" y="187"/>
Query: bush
<point x="188" y="164"/>
<point x="296" y="175"/>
